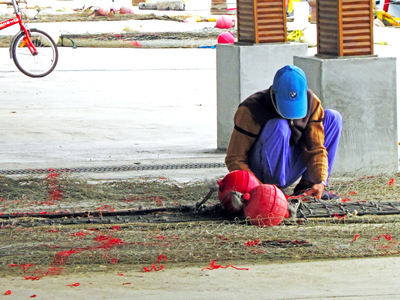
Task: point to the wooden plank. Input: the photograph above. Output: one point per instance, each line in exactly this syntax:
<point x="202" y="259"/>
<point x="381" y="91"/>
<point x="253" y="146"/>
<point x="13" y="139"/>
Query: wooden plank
<point x="356" y="38"/>
<point x="359" y="20"/>
<point x="363" y="51"/>
<point x="357" y="32"/>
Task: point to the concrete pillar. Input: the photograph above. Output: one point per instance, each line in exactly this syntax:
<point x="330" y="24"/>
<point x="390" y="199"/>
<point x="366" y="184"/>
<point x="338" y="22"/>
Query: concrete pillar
<point x="243" y="70"/>
<point x="363" y="90"/>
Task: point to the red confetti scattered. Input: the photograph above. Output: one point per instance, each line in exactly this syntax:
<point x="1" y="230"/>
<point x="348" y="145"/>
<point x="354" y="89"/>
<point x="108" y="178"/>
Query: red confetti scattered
<point x="33" y="296"/>
<point x="106" y="208"/>
<point x="24" y="267"/>
<point x="387" y="237"/>
<point x="355" y="238"/>
<point x="352" y="193"/>
<point x="339" y="217"/>
<point x="213" y="266"/>
<point x="126" y="283"/>
<point x="108" y="241"/>
<point x="162" y="256"/>
<point x="74" y="284"/>
<point x="252" y="243"/>
<point x="157" y="199"/>
<point x="153" y="267"/>
<point x="346" y="200"/>
<point x="115" y="227"/>
<point x="80" y="233"/>
<point x="54" y="271"/>
<point x="114" y="260"/>
<point x="32" y="278"/>
<point x="391" y="181"/>
<point x="61" y="257"/>
<point x="136" y="44"/>
<point x="120" y="274"/>
<point x="54" y="192"/>
<point x="7" y="292"/>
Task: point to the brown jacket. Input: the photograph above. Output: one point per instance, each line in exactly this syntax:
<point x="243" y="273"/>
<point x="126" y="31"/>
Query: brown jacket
<point x="256" y="111"/>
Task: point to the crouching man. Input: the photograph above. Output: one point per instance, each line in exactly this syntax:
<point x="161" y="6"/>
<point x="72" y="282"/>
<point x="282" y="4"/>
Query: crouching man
<point x="282" y="134"/>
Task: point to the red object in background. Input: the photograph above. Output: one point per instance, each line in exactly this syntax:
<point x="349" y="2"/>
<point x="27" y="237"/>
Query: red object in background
<point x="388" y="237"/>
<point x="226" y="38"/>
<point x="224" y="22"/>
<point x="74" y="284"/>
<point x="126" y="10"/>
<point x="386" y="5"/>
<point x="213" y="266"/>
<point x="153" y="267"/>
<point x="236" y="181"/>
<point x="267" y="206"/>
<point x="7" y="292"/>
<point x="160" y="257"/>
<point x="104" y="10"/>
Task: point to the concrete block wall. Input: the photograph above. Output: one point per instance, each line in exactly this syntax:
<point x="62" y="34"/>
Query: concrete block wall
<point x="363" y="90"/>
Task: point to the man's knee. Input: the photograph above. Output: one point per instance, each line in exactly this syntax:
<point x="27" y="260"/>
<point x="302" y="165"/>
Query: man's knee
<point x="277" y="127"/>
<point x="333" y="118"/>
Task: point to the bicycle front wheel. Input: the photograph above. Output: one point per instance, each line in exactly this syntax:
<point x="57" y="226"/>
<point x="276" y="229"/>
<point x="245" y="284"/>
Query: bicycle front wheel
<point x="41" y="64"/>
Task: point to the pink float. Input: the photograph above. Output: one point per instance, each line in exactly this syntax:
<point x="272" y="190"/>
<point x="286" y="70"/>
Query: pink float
<point x="226" y="38"/>
<point x="224" y="22"/>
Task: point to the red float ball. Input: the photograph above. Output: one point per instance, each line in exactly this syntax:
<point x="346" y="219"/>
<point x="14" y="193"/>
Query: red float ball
<point x="126" y="9"/>
<point x="226" y="38"/>
<point x="224" y="22"/>
<point x="267" y="206"/>
<point x="236" y="181"/>
<point x="103" y="10"/>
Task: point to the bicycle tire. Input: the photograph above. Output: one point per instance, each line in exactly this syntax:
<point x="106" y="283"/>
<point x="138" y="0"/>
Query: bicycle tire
<point x="38" y="65"/>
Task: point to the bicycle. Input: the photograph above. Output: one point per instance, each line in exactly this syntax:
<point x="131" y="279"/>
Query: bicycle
<point x="33" y="51"/>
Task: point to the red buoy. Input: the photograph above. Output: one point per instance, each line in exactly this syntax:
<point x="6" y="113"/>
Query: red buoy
<point x="224" y="22"/>
<point x="232" y="186"/>
<point x="226" y="38"/>
<point x="267" y="206"/>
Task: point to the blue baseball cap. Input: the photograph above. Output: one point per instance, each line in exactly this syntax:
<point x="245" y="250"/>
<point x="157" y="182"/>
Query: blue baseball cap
<point x="290" y="87"/>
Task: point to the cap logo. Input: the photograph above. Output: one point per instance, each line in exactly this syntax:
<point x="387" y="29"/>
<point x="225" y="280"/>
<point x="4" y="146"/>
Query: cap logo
<point x="293" y="94"/>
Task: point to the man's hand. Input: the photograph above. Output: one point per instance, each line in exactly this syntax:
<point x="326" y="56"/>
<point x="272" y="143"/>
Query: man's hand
<point x="316" y="190"/>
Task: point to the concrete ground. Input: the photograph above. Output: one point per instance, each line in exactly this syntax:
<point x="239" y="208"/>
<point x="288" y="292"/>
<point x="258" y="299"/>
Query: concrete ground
<point x="104" y="107"/>
<point x="357" y="279"/>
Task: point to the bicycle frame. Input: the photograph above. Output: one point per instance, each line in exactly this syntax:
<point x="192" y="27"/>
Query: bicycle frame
<point x="18" y="20"/>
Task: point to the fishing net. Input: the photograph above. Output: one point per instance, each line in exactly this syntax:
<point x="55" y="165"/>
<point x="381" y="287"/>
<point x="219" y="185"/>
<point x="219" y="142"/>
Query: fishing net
<point x="59" y="223"/>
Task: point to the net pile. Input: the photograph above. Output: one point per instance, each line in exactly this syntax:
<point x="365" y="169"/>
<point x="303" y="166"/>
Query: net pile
<point x="43" y="249"/>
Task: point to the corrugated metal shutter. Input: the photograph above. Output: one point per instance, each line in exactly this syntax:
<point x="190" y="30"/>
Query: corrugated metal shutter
<point x="345" y="27"/>
<point x="261" y="21"/>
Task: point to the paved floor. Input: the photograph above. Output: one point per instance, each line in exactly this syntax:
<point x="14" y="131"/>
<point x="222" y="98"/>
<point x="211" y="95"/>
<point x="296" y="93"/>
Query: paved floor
<point x="111" y="107"/>
<point x="358" y="279"/>
<point x="126" y="106"/>
<point x="105" y="107"/>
